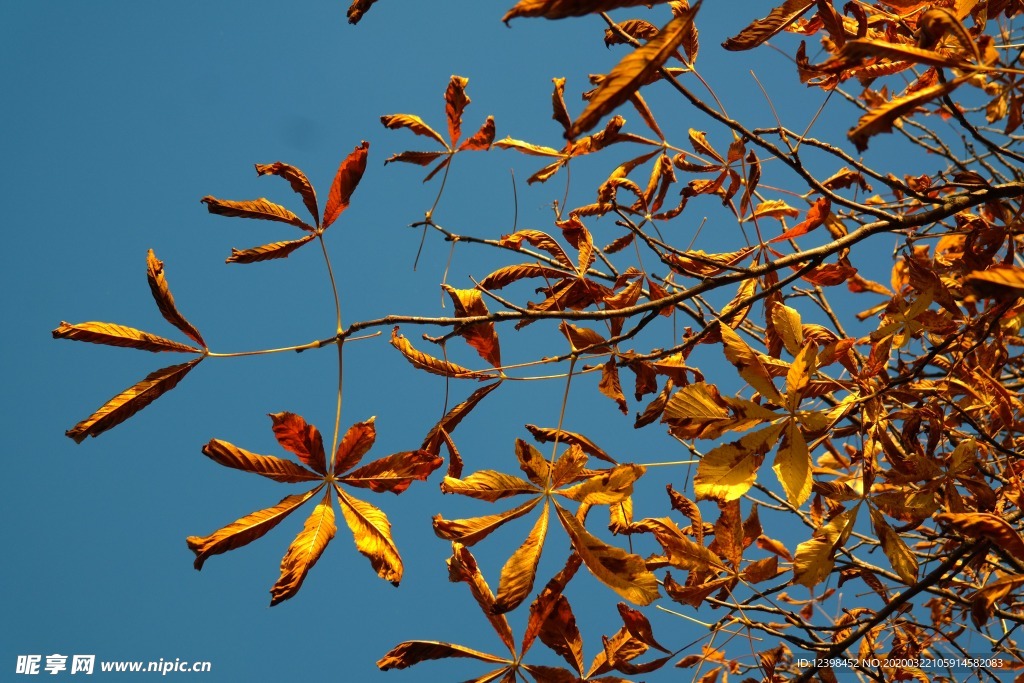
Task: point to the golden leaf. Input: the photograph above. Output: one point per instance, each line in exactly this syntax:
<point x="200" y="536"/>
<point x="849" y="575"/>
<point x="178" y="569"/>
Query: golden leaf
<point x="998" y="280"/>
<point x="761" y="570"/>
<point x="413" y="123"/>
<point x="305" y="550"/>
<point x="546" y="434"/>
<point x="165" y="301"/>
<point x="861" y="48"/>
<point x="532" y="463"/>
<point x="229" y="455"/>
<point x="527" y="148"/>
<point x="762" y="29"/>
<point x="357" y="9"/>
<point x="583" y="338"/>
<point x="787" y="324"/>
<point x="623" y="572"/>
<point x="298" y="181"/>
<point x="245" y="530"/>
<point x="131" y="400"/>
<point x="453" y="417"/>
<point x="542" y="241"/>
<point x="482" y="139"/>
<point x="372" y="533"/>
<point x="610" y="385"/>
<point x="681" y="551"/>
<point x="986" y="525"/>
<point x="433" y="365"/>
<point x="488" y="485"/>
<point x="793" y="464"/>
<point x="799" y="374"/>
<point x="816" y="557"/>
<point x="881" y="119"/>
<point x="985" y="599"/>
<point x="267" y="252"/>
<point x="350" y="172"/>
<point x="394" y="472"/>
<point x="520" y="571"/>
<point x="261" y="208"/>
<point x="412" y="652"/>
<point x="612" y="486"/>
<point x="634" y="70"/>
<point x="774" y="208"/>
<point x="749" y="365"/>
<point x="728" y="471"/>
<point x="119" y="335"/>
<point x="900" y="556"/>
<point x="482" y="336"/>
<point x="569" y="467"/>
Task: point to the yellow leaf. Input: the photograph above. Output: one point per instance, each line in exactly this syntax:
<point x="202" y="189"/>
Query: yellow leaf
<point x="900" y="556"/>
<point x="793" y="464"/>
<point x="623" y="572"/>
<point x="520" y="571"/>
<point x="474" y="529"/>
<point x="698" y="411"/>
<point x="119" y="335"/>
<point x="774" y="208"/>
<point x="681" y="551"/>
<point x="610" y="487"/>
<point x="305" y="550"/>
<point x="488" y="485"/>
<point x="749" y="365"/>
<point x="727" y="472"/>
<point x="413" y="123"/>
<point x="816" y="557"/>
<point x="634" y="70"/>
<point x="462" y="567"/>
<point x="986" y="525"/>
<point x="762" y="29"/>
<point x="482" y="337"/>
<point x="799" y="374"/>
<point x="789" y="327"/>
<point x="372" y="533"/>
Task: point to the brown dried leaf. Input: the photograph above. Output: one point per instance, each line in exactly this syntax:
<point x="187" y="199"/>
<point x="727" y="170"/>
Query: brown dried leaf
<point x="119" y="335"/>
<point x="560" y="9"/>
<point x="482" y="337"/>
<point x="489" y="485"/>
<point x="350" y="172"/>
<point x="472" y="530"/>
<point x="278" y="469"/>
<point x="482" y="139"/>
<point x="881" y="119"/>
<point x="433" y="365"/>
<point x="986" y="525"/>
<point x="298" y="181"/>
<point x="412" y="652"/>
<point x="165" y="301"/>
<point x="455" y="102"/>
<point x="266" y="252"/>
<point x="354" y="445"/>
<point x="357" y="9"/>
<point x="453" y="417"/>
<point x="520" y="571"/>
<point x="394" y="472"/>
<point x="261" y="208"/>
<point x="547" y="434"/>
<point x="762" y="29"/>
<point x="413" y="123"/>
<point x="304" y="440"/>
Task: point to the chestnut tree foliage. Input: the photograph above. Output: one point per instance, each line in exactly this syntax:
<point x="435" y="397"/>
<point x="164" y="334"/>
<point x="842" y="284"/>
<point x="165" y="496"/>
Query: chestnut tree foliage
<point x="876" y="422"/>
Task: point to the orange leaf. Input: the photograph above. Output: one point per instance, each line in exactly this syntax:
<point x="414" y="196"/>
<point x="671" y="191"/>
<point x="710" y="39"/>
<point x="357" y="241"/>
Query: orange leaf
<point x="350" y="172"/>
<point x="455" y="101"/>
<point x="634" y="70"/>
<point x="520" y="571"/>
<point x="131" y="400"/>
<point x="762" y="29"/>
<point x="462" y="567"/>
<point x="165" y="302"/>
<point x="560" y="9"/>
<point x="986" y="525"/>
<point x="532" y="463"/>
<point x="482" y="139"/>
<point x="297" y="179"/>
<point x="453" y="417"/>
<point x="611" y="486"/>
<point x="881" y="119"/>
<point x="488" y="485"/>
<point x="546" y="434"/>
<point x="472" y="530"/>
<point x="413" y="123"/>
<point x="435" y="366"/>
<point x="509" y="274"/>
<point x="419" y="158"/>
<point x="266" y="252"/>
<point x="278" y="469"/>
<point x="412" y="652"/>
<point x="354" y="445"/>
<point x="559" y="111"/>
<point x="482" y="336"/>
<point x="583" y="338"/>
<point x="749" y="365"/>
<point x="245" y="530"/>
<point x="372" y="533"/>
<point x="638" y="626"/>
<point x="357" y="9"/>
<point x="816" y="216"/>
<point x="394" y="472"/>
<point x="261" y="208"/>
<point x="119" y="335"/>
<point x="305" y="550"/>
<point x="559" y="632"/>
<point x="542" y="241"/>
<point x="297" y="436"/>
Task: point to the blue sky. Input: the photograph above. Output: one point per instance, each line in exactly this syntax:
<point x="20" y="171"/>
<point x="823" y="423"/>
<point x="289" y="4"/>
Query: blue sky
<point x="117" y="119"/>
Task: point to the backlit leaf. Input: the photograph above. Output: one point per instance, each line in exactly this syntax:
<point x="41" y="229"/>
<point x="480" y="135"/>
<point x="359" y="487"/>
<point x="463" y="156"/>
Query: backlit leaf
<point x="119" y="335"/>
<point x="298" y="181"/>
<point x="413" y="123"/>
<point x="354" y="445"/>
<point x="278" y="469"/>
<point x="245" y="530"/>
<point x="881" y="119"/>
<point x="412" y="652"/>
<point x="762" y="29"/>
<point x="1006" y="280"/>
<point x="612" y="486"/>
<point x="482" y="139"/>
<point x="533" y="464"/>
<point x="435" y="366"/>
<point x="815" y="558"/>
<point x="546" y="434"/>
<point x="728" y="471"/>
<point x="560" y="9"/>
<point x="165" y="301"/>
<point x="482" y="337"/>
<point x="395" y="472"/>
<point x="793" y="464"/>
<point x="520" y="571"/>
<point x="304" y="440"/>
<point x="350" y="172"/>
<point x="453" y="417"/>
<point x="372" y="533"/>
<point x="623" y="572"/>
<point x="462" y="566"/>
<point x="267" y="252"/>
<point x="986" y="525"/>
<point x="634" y="70"/>
<point x="131" y="400"/>
<point x="749" y="365"/>
<point x="506" y="275"/>
<point x="488" y="485"/>
<point x="261" y="208"/>
<point x="305" y="550"/>
<point x="455" y="101"/>
<point x="472" y="530"/>
<point x="895" y="548"/>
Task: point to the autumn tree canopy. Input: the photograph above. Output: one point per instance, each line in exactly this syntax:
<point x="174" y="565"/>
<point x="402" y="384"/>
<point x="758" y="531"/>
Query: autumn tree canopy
<point x="864" y="432"/>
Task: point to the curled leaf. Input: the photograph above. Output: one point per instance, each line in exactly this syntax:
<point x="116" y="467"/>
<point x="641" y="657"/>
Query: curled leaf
<point x="165" y="301"/>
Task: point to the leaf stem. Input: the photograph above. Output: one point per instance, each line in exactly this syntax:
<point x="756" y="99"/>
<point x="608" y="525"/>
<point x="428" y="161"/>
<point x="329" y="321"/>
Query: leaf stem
<point x="341" y="348"/>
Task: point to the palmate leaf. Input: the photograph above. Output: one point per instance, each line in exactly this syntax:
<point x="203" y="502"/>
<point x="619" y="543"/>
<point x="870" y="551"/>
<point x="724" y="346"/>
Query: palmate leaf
<point x="131" y="400"/>
<point x="245" y="530"/>
<point x="304" y="440"/>
<point x="165" y="301"/>
<point x="394" y="472"/>
<point x="520" y="570"/>
<point x="119" y="335"/>
<point x="229" y="455"/>
<point x="305" y="550"/>
<point x="372" y="533"/>
<point x="547" y="434"/>
<point x="634" y="70"/>
<point x="354" y="445"/>
<point x="728" y="471"/>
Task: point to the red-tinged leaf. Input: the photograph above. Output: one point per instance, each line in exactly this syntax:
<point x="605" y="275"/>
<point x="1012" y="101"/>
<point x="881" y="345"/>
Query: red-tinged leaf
<point x="816" y="216"/>
<point x="372" y="533"/>
<point x="304" y="440"/>
<point x="437" y="169"/>
<point x="482" y="337"/>
<point x="357" y="9"/>
<point x="610" y="385"/>
<point x="354" y="445"/>
<point x="560" y="112"/>
<point x="119" y="335"/>
<point x="560" y="9"/>
<point x="350" y="172"/>
<point x="472" y="530"/>
<point x="305" y="550"/>
<point x="278" y="469"/>
<point x="762" y="29"/>
<point x="520" y="571"/>
<point x="261" y="209"/>
<point x="680" y="550"/>
<point x="413" y="123"/>
<point x="881" y="119"/>
<point x="527" y="148"/>
<point x="655" y="408"/>
<point x="638" y="626"/>
<point x="482" y="139"/>
<point x="435" y="366"/>
<point x="453" y="417"/>
<point x="774" y="208"/>
<point x="489" y="485"/>
<point x="761" y="570"/>
<point x="164" y="301"/>
<point x="634" y="70"/>
<point x="455" y="462"/>
<point x="266" y="252"/>
<point x="986" y="525"/>
<point x="394" y="472"/>
<point x="542" y="241"/>
<point x="559" y="632"/>
<point x="455" y="102"/>
<point x="245" y="530"/>
<point x="774" y="546"/>
<point x="418" y="158"/>
<point x="462" y="567"/>
<point x="623" y="572"/>
<point x="551" y="674"/>
<point x="298" y="181"/>
<point x="131" y="400"/>
<point x="412" y="652"/>
<point x="509" y="274"/>
<point x="547" y="435"/>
